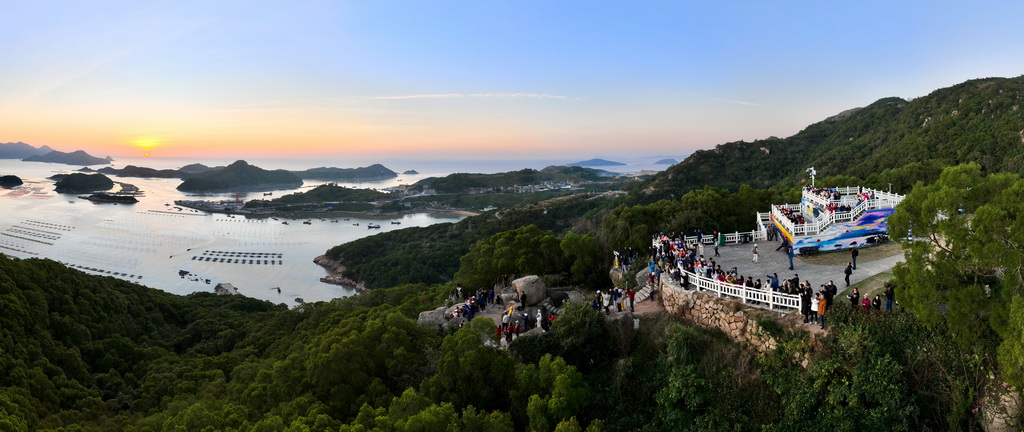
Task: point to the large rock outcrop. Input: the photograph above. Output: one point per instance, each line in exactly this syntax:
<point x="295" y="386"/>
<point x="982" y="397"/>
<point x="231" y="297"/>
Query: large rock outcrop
<point x="432" y="318"/>
<point x="533" y="287"/>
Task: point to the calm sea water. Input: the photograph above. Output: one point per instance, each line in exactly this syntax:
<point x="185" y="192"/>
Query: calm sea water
<point x="151" y="242"/>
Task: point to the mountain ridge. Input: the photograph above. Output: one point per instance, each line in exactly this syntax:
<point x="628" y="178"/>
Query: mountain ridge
<point x="979" y="120"/>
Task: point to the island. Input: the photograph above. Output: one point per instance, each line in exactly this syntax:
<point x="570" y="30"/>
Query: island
<point x="531" y="180"/>
<point x="9" y="181"/>
<point x="77" y="157"/>
<point x="669" y="161"/>
<point x="20" y="150"/>
<point x="143" y="172"/>
<point x="240" y="176"/>
<point x="326" y="197"/>
<point x="198" y="168"/>
<point x="82" y="183"/>
<point x="108" y="198"/>
<point x="410" y="172"/>
<point x="595" y="162"/>
<point x="375" y="172"/>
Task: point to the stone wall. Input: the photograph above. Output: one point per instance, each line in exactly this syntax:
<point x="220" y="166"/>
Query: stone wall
<point x="737" y="320"/>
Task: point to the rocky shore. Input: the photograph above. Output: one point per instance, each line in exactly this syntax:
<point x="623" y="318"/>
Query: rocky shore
<point x="336" y="269"/>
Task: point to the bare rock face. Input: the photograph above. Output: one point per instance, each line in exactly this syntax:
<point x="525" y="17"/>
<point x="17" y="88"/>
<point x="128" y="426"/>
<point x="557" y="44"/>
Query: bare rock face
<point x="507" y="297"/>
<point x="533" y="287"/>
<point x="642" y="278"/>
<point x="432" y="318"/>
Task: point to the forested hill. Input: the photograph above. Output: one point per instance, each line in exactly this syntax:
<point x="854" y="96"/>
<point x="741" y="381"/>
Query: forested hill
<point x="979" y="121"/>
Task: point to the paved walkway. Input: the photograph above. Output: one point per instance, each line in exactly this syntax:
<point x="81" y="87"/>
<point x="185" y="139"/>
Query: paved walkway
<point x="772" y="261"/>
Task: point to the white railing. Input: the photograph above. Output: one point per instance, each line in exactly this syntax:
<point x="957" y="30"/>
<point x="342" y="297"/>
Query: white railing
<point x="730" y="238"/>
<point x="762" y="298"/>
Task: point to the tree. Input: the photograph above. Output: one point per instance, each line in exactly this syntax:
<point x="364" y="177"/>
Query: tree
<point x="965" y="266"/>
<point x="525" y="250"/>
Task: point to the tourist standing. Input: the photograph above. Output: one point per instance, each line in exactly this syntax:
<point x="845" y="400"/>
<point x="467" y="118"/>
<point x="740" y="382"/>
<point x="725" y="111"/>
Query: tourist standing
<point x="754" y="250"/>
<point x="853" y="257"/>
<point x="822" y="308"/>
<point x="854" y="298"/>
<point x="848" y="272"/>
<point x="632" y="298"/>
<point x="789" y="252"/>
<point x="890" y="296"/>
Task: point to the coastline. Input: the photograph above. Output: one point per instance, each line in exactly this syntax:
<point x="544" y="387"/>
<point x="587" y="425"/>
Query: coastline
<point x="335" y="278"/>
<point x="297" y="215"/>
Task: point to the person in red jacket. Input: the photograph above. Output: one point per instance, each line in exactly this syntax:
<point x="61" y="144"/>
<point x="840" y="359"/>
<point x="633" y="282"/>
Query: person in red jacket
<point x="632" y="298"/>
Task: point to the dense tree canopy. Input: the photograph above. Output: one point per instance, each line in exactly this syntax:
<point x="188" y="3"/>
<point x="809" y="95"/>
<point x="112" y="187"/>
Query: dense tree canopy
<point x="965" y="261"/>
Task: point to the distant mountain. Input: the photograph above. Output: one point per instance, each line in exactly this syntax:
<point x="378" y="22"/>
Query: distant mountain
<point x="240" y="176"/>
<point x="666" y="162"/>
<point x="83" y="183"/>
<point x="371" y="173"/>
<point x="595" y="162"/>
<point x="889" y="141"/>
<point x="410" y="172"/>
<point x="77" y="157"/>
<point x="20" y="150"/>
<point x="9" y="181"/>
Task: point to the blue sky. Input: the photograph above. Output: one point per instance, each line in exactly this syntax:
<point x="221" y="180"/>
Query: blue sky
<point x="472" y="78"/>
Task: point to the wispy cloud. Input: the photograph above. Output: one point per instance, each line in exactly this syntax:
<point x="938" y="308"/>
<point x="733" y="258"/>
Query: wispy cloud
<point x="472" y="95"/>
<point x="739" y="102"/>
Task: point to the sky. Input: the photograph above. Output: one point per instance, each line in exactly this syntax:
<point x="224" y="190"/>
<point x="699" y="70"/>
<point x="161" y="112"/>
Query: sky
<point x="471" y="79"/>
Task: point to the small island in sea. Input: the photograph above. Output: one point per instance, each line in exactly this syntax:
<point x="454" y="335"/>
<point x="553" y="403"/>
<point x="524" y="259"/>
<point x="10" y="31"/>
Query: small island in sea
<point x="410" y="172"/>
<point x="594" y="162"/>
<point x="108" y="198"/>
<point x="373" y="172"/>
<point x="668" y="161"/>
<point x="82" y="183"/>
<point x="9" y="181"/>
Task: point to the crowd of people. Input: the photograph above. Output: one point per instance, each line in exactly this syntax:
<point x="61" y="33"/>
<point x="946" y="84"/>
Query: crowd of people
<point x="515" y="318"/>
<point x="828" y="194"/>
<point x="795" y="216"/>
<point x="620" y="299"/>
<point x="672" y="255"/>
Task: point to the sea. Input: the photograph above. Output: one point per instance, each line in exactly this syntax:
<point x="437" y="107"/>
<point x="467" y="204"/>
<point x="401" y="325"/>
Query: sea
<point x="179" y="250"/>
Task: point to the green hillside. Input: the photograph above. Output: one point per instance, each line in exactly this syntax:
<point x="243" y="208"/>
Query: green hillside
<point x="978" y="121"/>
<point x="240" y="176"/>
<point x="326" y="193"/>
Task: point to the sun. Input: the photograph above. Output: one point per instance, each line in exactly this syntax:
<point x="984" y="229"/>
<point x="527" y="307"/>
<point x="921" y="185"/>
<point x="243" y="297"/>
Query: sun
<point x="146" y="144"/>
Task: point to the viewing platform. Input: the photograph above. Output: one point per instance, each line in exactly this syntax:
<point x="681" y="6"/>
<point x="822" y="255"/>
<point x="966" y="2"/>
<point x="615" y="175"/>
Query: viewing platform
<point x="832" y="218"/>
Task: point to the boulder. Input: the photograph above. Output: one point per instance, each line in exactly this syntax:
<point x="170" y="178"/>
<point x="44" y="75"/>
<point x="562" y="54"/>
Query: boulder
<point x="533" y="287"/>
<point x="642" y="278"/>
<point x="432" y="318"/>
<point x="559" y="298"/>
<point x="507" y="297"/>
<point x="455" y="323"/>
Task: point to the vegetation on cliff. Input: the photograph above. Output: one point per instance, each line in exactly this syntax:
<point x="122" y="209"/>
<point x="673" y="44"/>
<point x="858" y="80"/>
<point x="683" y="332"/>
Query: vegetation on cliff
<point x="97" y="353"/>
